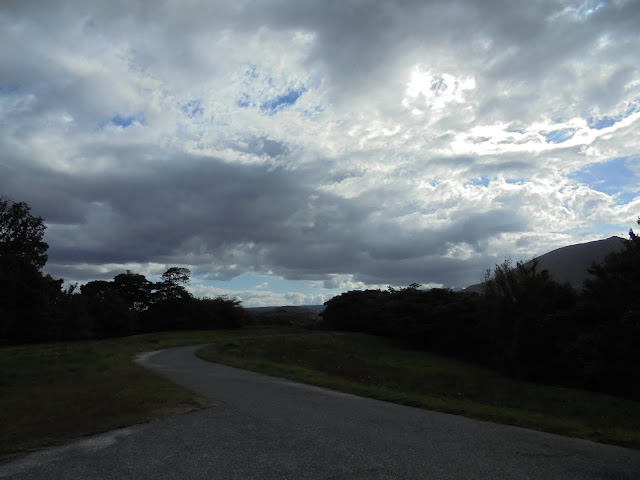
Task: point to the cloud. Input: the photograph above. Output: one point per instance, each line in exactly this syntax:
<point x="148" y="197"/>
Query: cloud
<point x="349" y="144"/>
<point x="258" y="297"/>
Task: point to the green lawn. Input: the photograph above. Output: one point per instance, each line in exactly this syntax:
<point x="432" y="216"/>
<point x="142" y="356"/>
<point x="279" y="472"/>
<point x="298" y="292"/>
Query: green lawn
<point x="50" y="393"/>
<point x="378" y="368"/>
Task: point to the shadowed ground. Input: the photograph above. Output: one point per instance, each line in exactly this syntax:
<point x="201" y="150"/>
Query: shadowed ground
<point x="270" y="428"/>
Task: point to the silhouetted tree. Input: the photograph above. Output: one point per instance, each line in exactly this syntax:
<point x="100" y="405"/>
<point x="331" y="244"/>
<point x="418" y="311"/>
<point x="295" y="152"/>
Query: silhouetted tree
<point x="134" y="288"/>
<point x="24" y="292"/>
<point x="111" y="307"/>
<point x="177" y="275"/>
<point x="607" y="345"/>
<point x="170" y="302"/>
<point x="524" y="304"/>
<point x="617" y="279"/>
<point x="21" y="234"/>
<point x="172" y="285"/>
<point x="216" y="313"/>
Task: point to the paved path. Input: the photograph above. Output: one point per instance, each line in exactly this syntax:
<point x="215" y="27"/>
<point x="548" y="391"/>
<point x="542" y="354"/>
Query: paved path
<point x="268" y="428"/>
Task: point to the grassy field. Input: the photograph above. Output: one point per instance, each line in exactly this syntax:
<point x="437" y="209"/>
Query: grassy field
<point x="375" y="367"/>
<point x="50" y="393"/>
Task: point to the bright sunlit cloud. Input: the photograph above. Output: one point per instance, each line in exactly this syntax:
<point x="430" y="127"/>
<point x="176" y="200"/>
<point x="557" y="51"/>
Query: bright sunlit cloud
<point x="285" y="152"/>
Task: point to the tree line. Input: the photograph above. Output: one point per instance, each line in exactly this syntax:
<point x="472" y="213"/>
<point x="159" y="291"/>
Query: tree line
<point x="35" y="307"/>
<point x="523" y="324"/>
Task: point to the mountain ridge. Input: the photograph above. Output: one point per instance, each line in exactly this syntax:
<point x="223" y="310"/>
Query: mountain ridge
<point x="569" y="264"/>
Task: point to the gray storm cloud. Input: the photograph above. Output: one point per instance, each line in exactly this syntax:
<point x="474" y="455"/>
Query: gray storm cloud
<point x="350" y="143"/>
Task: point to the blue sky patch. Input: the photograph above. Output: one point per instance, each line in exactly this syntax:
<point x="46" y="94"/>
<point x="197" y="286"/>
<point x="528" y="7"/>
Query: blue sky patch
<point x="259" y="85"/>
<point x="192" y="109"/>
<point x="245" y="101"/>
<point x="483" y="180"/>
<point x="437" y="85"/>
<point x="251" y="72"/>
<point x="600" y="123"/>
<point x="559" y="136"/>
<point x="607" y="121"/>
<point x="278" y="103"/>
<point x="615" y="177"/>
<point x="313" y="112"/>
<point x="127" y="121"/>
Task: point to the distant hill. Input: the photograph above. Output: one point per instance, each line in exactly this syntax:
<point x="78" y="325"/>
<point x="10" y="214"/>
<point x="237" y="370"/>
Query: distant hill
<point x="570" y="264"/>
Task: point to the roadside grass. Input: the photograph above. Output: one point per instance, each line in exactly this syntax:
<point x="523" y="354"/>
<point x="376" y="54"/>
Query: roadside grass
<point x="376" y="367"/>
<point x="51" y="393"/>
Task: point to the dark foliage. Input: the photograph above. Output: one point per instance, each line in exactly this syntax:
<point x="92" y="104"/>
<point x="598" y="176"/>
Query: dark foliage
<point x="21" y="234"/>
<point x="438" y="320"/>
<point x="286" y="316"/>
<point x="194" y="313"/>
<point x="35" y="307"/>
<point x="606" y="347"/>
<point x="24" y="291"/>
<point x="528" y="314"/>
<point x="524" y="324"/>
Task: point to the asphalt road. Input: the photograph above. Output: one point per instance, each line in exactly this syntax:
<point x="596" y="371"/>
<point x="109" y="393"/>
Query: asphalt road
<point x="268" y="428"/>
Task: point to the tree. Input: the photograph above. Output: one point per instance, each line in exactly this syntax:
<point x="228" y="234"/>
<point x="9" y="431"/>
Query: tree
<point x="21" y="234"/>
<point x="134" y="288"/>
<point x="116" y="306"/>
<point x="24" y="292"/>
<point x="170" y="287"/>
<point x="610" y="311"/>
<point x="616" y="282"/>
<point x="529" y="317"/>
<point x="176" y="275"/>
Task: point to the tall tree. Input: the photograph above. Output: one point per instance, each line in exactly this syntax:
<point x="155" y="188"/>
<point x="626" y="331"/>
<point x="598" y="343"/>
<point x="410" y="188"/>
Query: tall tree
<point x="134" y="288"/>
<point x="527" y="318"/>
<point x="21" y="233"/>
<point x="617" y="280"/>
<point x="172" y="285"/>
<point x="610" y="311"/>
<point x="24" y="292"/>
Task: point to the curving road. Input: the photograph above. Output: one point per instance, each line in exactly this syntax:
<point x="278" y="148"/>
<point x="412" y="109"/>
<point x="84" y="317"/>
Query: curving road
<point x="268" y="428"/>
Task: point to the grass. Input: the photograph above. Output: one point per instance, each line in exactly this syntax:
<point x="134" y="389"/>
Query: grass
<point x="378" y="368"/>
<point x="51" y="393"/>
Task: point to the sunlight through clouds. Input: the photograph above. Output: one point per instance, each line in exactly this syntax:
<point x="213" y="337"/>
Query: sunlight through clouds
<point x="539" y="137"/>
<point x="288" y="151"/>
<point x="431" y="91"/>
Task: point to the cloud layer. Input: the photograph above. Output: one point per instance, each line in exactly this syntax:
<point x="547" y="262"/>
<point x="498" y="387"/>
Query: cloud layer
<point x="338" y="144"/>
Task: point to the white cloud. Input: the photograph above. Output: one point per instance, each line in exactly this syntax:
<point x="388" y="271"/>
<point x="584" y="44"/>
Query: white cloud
<point x="258" y="297"/>
<point x="432" y="91"/>
<point x="419" y="143"/>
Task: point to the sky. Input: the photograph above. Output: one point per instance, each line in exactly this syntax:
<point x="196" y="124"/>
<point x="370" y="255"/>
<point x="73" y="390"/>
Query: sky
<point x="288" y="151"/>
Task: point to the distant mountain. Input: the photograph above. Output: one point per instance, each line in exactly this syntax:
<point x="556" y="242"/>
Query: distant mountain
<point x="570" y="264"/>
